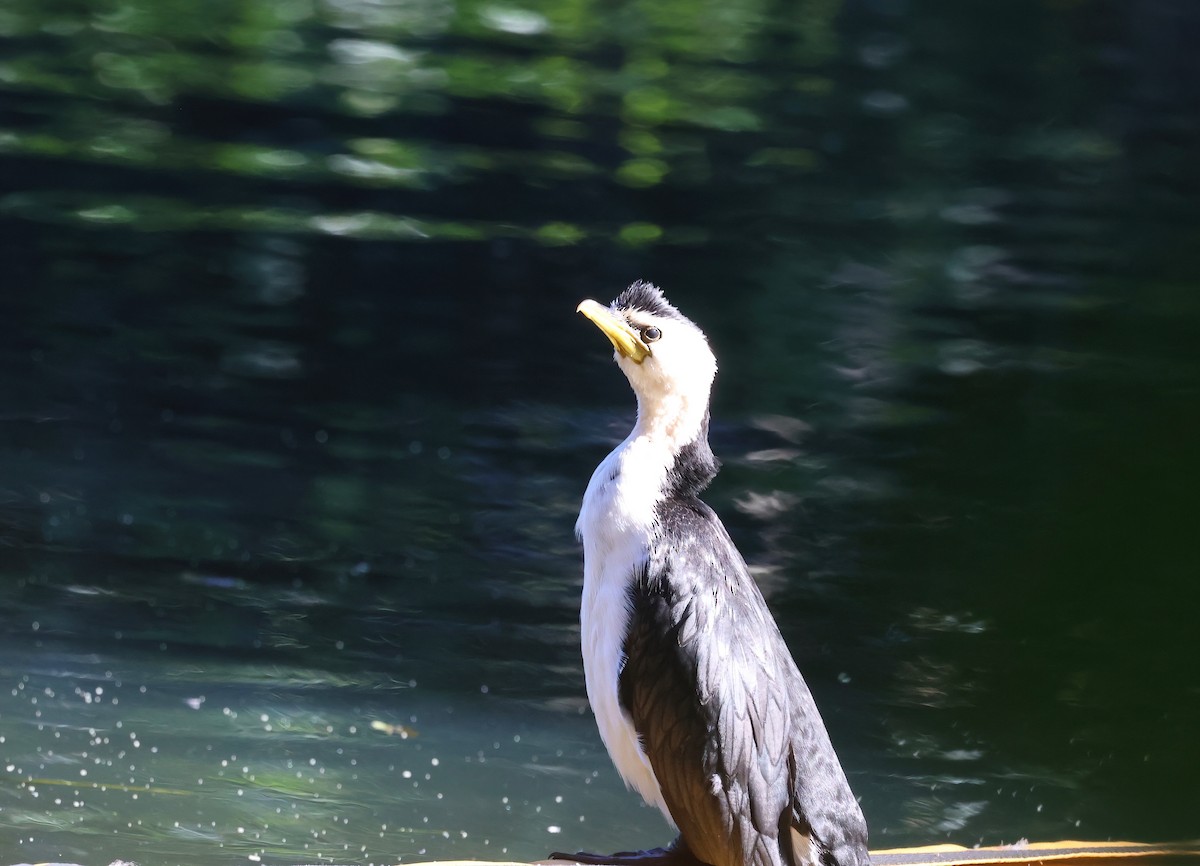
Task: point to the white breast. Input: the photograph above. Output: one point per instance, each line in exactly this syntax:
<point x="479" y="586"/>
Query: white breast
<point x="616" y="523"/>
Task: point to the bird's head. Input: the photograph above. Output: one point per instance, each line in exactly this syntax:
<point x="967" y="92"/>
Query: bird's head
<point x="665" y="357"/>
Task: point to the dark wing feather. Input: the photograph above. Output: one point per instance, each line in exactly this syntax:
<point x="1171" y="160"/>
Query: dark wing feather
<point x="729" y="726"/>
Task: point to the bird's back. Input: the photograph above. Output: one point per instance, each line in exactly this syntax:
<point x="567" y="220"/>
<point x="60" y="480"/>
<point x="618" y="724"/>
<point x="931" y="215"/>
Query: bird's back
<point x="737" y="745"/>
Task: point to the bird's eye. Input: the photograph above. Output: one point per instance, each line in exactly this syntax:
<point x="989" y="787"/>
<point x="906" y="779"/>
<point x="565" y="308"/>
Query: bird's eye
<point x="651" y="334"/>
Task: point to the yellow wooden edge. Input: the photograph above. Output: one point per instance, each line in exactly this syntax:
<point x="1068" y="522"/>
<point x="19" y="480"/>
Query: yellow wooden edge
<point x="951" y="855"/>
<point x="1068" y="844"/>
<point x="957" y="855"/>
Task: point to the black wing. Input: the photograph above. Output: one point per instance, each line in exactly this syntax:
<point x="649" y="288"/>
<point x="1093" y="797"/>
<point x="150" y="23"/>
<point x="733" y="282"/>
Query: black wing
<point x="730" y="728"/>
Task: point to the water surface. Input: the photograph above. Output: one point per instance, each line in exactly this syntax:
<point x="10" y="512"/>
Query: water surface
<point x="297" y="413"/>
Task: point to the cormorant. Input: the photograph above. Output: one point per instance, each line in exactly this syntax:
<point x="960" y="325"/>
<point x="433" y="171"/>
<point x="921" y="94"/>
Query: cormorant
<point x="696" y="696"/>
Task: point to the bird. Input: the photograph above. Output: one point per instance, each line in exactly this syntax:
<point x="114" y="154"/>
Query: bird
<point x="696" y="696"/>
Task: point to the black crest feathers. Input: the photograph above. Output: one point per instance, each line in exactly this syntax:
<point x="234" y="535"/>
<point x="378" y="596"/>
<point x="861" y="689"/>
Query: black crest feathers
<point x="648" y="298"/>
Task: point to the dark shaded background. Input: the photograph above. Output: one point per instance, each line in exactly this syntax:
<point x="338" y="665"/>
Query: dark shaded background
<point x="297" y="413"/>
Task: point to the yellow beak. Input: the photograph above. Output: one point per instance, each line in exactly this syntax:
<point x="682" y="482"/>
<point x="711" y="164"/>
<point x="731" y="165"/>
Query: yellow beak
<point x="624" y="338"/>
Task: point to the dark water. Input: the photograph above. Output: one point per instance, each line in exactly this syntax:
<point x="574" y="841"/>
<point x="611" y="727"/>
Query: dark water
<point x="297" y="413"/>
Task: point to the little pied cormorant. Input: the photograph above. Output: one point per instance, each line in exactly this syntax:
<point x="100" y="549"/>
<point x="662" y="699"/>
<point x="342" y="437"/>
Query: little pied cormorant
<point x="697" y="698"/>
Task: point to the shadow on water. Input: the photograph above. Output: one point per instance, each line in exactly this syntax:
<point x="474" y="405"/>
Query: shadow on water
<point x="297" y="416"/>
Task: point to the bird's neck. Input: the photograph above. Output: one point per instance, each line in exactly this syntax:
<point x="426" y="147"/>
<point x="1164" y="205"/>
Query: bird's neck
<point x="672" y="432"/>
<point x="662" y="458"/>
<point x="670" y="421"/>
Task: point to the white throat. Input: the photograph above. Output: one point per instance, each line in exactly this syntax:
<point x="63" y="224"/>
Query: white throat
<point x="671" y="409"/>
<point x="668" y="423"/>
